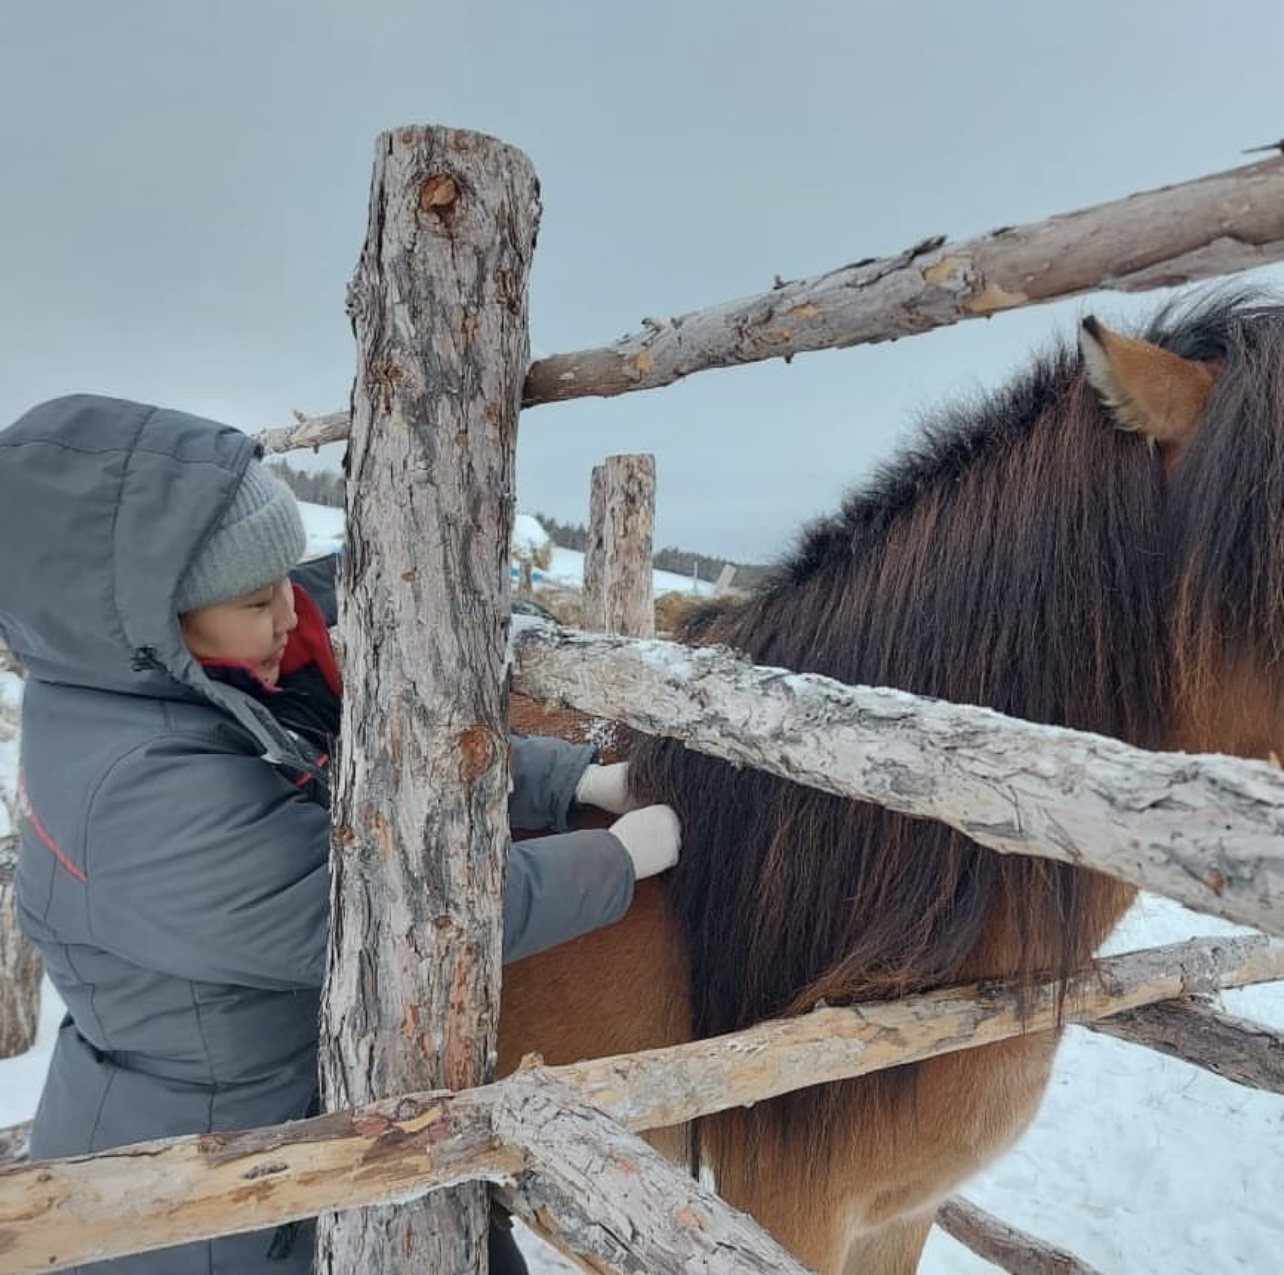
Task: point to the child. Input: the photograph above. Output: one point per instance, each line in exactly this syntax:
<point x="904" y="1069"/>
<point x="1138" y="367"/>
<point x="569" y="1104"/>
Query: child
<point x="178" y="718"/>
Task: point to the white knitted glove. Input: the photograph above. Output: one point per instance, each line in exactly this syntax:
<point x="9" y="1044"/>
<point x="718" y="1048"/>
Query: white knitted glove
<point x="606" y="787"/>
<point x="652" y="835"/>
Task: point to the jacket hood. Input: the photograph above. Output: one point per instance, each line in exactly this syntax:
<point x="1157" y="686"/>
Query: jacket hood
<point x="103" y="505"/>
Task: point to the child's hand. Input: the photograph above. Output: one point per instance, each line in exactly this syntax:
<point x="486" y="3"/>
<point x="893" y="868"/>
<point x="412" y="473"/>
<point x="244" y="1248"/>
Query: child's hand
<point x="652" y="836"/>
<point x="606" y="787"/>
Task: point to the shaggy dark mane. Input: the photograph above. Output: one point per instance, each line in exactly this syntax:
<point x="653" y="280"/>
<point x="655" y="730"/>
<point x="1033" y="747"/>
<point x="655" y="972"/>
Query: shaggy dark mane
<point x="1225" y="514"/>
<point x="1023" y="554"/>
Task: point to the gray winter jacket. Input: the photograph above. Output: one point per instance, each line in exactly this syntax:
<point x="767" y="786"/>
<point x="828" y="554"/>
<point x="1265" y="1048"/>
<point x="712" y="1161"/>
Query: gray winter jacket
<point x="172" y="874"/>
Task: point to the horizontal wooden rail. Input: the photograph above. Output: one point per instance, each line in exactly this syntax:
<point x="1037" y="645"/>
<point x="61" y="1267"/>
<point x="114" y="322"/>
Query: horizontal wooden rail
<point x="1203" y="829"/>
<point x="54" y="1214"/>
<point x="1197" y="230"/>
<point x="1237" y="1049"/>
<point x="1006" y="1247"/>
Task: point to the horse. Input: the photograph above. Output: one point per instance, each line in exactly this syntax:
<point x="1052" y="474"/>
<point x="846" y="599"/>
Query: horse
<point x="1100" y="546"/>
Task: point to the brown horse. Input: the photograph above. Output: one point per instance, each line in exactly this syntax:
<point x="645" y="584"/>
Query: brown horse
<point x="1102" y="547"/>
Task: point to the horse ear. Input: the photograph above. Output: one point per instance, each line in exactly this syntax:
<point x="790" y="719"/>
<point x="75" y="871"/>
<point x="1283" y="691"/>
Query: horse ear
<point x="1148" y="389"/>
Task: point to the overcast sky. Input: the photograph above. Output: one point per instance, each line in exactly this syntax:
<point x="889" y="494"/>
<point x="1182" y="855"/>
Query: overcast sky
<point x="184" y="192"/>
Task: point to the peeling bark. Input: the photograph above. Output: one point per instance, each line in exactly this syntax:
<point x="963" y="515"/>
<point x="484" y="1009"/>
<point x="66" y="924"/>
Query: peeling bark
<point x="610" y="1201"/>
<point x="1162" y="238"/>
<point x="420" y="822"/>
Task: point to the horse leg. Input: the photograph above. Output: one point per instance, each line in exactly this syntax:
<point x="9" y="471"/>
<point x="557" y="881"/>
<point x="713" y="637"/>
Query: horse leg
<point x="894" y="1249"/>
<point x="760" y="1169"/>
<point x="814" y="1212"/>
<point x="849" y="1180"/>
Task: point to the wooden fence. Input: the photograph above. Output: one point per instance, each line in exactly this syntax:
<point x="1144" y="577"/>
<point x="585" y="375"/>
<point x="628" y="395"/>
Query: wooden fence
<point x="438" y="307"/>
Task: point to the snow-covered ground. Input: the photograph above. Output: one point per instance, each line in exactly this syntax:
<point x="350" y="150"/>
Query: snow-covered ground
<point x="1138" y="1164"/>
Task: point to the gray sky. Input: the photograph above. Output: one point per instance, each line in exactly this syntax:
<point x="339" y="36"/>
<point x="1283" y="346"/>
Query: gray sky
<point x="183" y="194"/>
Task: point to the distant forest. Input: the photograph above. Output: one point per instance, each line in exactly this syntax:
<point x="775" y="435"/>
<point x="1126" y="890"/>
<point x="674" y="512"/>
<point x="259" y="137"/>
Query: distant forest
<point x="317" y="487"/>
<point x="682" y="562"/>
<point x="325" y="487"/>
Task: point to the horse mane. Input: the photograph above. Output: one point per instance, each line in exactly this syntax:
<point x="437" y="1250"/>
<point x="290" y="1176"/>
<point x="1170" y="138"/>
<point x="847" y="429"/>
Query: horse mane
<point x="1024" y="554"/>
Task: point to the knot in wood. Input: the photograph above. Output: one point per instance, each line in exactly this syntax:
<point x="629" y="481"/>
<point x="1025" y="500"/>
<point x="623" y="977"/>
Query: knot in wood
<point x="438" y="194"/>
<point x="266" y="1170"/>
<point x="477" y="754"/>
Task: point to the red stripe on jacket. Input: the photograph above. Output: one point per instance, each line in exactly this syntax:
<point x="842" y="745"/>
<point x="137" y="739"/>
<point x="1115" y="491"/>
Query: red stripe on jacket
<point x="27" y="811"/>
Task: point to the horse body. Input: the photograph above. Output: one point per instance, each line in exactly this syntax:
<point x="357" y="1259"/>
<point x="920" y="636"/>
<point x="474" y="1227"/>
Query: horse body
<point x="1101" y="547"/>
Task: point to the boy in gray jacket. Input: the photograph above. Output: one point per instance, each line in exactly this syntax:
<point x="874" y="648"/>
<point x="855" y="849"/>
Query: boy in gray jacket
<point x="180" y="709"/>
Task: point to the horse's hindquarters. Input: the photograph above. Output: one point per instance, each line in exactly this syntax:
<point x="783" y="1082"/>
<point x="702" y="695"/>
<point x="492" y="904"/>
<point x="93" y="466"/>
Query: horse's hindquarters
<point x="848" y="1176"/>
<point x="613" y="991"/>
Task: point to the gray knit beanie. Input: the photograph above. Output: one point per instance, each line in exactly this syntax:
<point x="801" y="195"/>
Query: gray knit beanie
<point x="258" y="540"/>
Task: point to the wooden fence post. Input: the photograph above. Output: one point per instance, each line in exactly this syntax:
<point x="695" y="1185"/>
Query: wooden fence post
<point x="618" y="585"/>
<point x="19" y="964"/>
<point x="438" y="306"/>
<point x="19" y="969"/>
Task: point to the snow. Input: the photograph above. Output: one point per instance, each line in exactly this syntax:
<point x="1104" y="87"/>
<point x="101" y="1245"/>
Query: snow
<point x="324" y="527"/>
<point x="529" y="536"/>
<point x="1140" y="1163"/>
<point x="567" y="570"/>
<point x="1136" y="1163"/>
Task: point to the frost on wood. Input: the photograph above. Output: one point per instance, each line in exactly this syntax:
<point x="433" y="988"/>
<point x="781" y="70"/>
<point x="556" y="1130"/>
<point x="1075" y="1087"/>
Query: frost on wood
<point x="1205" y="830"/>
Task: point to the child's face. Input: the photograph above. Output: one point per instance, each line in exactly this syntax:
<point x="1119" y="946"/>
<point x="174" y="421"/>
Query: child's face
<point x="247" y="630"/>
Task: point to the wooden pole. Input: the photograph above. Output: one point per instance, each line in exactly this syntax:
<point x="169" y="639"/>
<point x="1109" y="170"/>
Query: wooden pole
<point x="420" y="829"/>
<point x="1011" y="1250"/>
<point x="619" y="591"/>
<point x="20" y="967"/>
<point x="1198" y="1033"/>
<point x="1160" y="238"/>
<point x="605" y="1197"/>
<point x="20" y="970"/>
<point x="15" y="1144"/>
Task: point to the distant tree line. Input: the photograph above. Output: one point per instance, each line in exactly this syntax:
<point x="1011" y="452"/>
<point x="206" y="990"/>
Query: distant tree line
<point x="325" y="487"/>
<point x="317" y="487"/>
